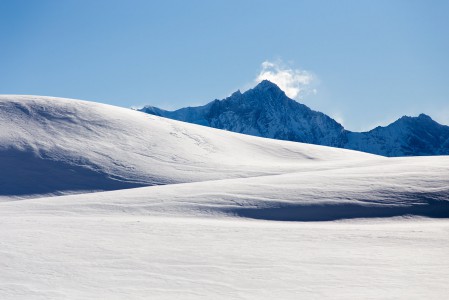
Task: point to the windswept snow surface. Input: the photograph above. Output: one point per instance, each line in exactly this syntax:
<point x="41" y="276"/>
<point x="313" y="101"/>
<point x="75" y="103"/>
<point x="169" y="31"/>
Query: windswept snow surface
<point x="204" y="221"/>
<point x="400" y="187"/>
<point x="56" y="146"/>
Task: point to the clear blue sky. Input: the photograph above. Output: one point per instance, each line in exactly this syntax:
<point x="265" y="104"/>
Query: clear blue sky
<point x="371" y="61"/>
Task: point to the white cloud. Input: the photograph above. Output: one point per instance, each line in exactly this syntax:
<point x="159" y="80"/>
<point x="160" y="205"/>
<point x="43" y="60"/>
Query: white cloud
<point x="294" y="82"/>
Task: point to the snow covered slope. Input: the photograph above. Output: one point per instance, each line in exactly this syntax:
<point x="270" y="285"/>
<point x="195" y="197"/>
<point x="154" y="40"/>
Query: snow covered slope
<point x="200" y="240"/>
<point x="202" y="227"/>
<point x="386" y="188"/>
<point x="55" y="146"/>
<point x="266" y="111"/>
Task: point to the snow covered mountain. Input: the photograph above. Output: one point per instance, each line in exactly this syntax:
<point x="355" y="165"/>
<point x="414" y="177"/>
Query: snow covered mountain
<point x="263" y="111"/>
<point x="267" y="112"/>
<point x="408" y="136"/>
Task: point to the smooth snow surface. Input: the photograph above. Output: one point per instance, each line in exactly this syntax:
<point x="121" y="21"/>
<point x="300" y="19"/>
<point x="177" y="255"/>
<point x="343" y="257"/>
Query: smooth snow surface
<point x="121" y="257"/>
<point x="204" y="222"/>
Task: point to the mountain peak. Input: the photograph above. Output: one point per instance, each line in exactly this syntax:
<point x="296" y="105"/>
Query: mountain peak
<point x="424" y="117"/>
<point x="420" y="118"/>
<point x="266" y="91"/>
<point x="266" y="84"/>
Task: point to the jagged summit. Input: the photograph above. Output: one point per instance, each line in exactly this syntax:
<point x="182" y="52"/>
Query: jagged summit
<point x="266" y="85"/>
<point x="267" y="111"/>
<point x="264" y="91"/>
<point x="267" y="91"/>
<point x="420" y="118"/>
<point x="424" y="116"/>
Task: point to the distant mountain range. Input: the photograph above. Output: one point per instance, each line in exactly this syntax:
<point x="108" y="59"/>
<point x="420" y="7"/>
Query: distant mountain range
<point x="266" y="111"/>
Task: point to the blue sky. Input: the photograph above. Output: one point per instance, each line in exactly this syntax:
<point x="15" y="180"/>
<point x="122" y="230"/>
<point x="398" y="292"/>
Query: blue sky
<point x="363" y="62"/>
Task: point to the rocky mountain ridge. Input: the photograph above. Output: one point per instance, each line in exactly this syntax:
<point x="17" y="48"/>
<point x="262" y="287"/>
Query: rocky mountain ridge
<point x="266" y="111"/>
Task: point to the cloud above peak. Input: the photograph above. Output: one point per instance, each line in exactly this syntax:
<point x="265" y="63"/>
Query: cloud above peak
<point x="294" y="82"/>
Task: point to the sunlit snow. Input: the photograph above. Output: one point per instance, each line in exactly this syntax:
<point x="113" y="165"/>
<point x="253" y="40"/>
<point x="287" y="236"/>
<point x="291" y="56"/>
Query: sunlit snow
<point x="101" y="202"/>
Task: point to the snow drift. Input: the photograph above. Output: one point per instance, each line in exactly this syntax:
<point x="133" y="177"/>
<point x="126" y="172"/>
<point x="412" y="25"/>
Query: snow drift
<point x="56" y="146"/>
